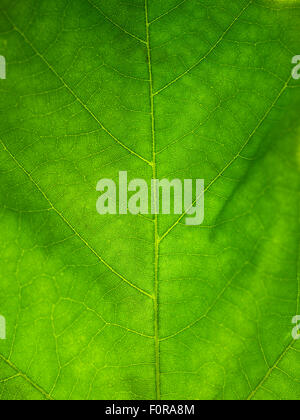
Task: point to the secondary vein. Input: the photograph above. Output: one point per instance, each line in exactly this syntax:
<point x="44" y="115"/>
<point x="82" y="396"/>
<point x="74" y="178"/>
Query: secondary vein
<point x="208" y="53"/>
<point x="52" y="207"/>
<point x="26" y="378"/>
<point x="271" y="369"/>
<point x="220" y="174"/>
<point x="116" y="24"/>
<point x="91" y="113"/>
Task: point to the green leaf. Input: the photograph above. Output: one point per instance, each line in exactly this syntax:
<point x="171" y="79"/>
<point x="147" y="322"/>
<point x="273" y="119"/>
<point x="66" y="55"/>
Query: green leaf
<point x="142" y="307"/>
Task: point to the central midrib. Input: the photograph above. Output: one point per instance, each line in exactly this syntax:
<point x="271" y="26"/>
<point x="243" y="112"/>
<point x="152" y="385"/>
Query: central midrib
<point x="156" y="236"/>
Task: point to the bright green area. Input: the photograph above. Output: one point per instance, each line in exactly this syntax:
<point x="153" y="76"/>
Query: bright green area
<point x="128" y="307"/>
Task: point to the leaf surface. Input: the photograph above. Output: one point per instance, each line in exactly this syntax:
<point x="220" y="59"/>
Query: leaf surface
<point x="133" y="307"/>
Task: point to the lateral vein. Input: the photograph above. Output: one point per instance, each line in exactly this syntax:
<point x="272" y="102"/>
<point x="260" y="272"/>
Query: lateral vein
<point x="116" y="24"/>
<point x="167" y="13"/>
<point x="207" y="54"/>
<point x="271" y="369"/>
<point x="90" y="112"/>
<point x="26" y="378"/>
<point x="262" y="120"/>
<point x="52" y="207"/>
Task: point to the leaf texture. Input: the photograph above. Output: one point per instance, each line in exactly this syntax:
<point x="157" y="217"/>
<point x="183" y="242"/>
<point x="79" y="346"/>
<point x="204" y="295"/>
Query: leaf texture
<point x="142" y="307"/>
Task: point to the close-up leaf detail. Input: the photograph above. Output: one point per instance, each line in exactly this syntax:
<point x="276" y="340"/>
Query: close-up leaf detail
<point x="146" y="307"/>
